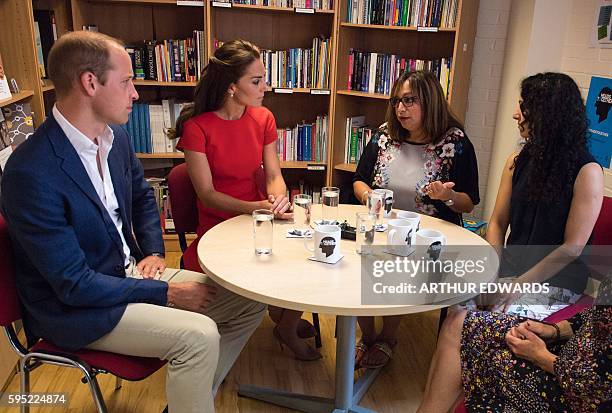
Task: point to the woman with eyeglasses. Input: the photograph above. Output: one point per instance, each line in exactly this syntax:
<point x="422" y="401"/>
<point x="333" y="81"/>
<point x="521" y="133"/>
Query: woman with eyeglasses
<point x="421" y="153"/>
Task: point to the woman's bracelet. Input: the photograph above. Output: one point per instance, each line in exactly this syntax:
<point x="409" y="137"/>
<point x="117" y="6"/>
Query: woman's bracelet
<point x="367" y="191"/>
<point x="557" y="333"/>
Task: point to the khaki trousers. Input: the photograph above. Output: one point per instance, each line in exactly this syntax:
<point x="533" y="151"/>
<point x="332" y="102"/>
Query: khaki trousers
<point x="200" y="348"/>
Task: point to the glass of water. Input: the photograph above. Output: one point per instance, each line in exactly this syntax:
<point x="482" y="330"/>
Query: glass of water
<point x="263" y="225"/>
<point x="365" y="229"/>
<point x="387" y="201"/>
<point x="375" y="205"/>
<point x="330" y="197"/>
<point x="302" y="204"/>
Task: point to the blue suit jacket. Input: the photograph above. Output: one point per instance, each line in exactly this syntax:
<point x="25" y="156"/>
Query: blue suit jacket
<point x="68" y="254"/>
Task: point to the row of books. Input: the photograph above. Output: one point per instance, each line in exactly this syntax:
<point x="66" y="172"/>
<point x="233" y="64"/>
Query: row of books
<point x="303" y="4"/>
<point x="45" y="34"/>
<point x="416" y="13"/>
<point x="169" y="60"/>
<point x="304" y="142"/>
<point x="302" y="188"/>
<point x="148" y="125"/>
<point x="372" y="72"/>
<point x="357" y="136"/>
<point x="160" y="189"/>
<point x="299" y="68"/>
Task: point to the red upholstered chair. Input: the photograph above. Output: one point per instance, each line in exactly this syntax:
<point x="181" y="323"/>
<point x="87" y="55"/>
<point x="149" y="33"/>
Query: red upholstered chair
<point x="90" y="362"/>
<point x="602" y="235"/>
<point x="183" y="204"/>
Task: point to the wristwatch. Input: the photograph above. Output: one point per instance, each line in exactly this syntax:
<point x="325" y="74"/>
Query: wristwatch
<point x="449" y="202"/>
<point x="157" y="254"/>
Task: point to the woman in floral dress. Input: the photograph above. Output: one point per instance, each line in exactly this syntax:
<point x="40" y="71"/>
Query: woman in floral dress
<point x="503" y="363"/>
<point x="423" y="154"/>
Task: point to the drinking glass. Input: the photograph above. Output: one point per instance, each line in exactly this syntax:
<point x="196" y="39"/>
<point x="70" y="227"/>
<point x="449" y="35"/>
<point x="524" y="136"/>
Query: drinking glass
<point x="364" y="230"/>
<point x="263" y="225"/>
<point x="330" y="197"/>
<point x="302" y="204"/>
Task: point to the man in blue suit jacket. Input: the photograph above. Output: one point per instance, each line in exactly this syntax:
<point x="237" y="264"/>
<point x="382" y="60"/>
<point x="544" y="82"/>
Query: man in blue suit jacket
<point x="78" y="208"/>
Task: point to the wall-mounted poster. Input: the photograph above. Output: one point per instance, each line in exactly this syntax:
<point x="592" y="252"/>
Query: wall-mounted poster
<point x="602" y="29"/>
<point x="598" y="105"/>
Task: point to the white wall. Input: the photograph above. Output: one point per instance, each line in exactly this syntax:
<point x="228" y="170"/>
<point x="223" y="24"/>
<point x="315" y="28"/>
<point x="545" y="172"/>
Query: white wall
<point x="485" y="84"/>
<point x="580" y="60"/>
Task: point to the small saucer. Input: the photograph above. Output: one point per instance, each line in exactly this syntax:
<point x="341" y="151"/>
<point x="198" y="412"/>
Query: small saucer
<point x="381" y="227"/>
<point x="393" y="251"/>
<point x="326" y="262"/>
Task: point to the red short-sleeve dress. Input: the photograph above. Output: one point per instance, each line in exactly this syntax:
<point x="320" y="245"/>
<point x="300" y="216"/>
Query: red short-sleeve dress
<point x="234" y="150"/>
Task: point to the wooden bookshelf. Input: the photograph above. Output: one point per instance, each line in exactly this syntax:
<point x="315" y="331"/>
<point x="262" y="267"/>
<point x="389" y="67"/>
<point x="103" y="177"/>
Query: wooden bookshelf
<point x="407" y="41"/>
<point x="271" y="28"/>
<point x="346" y="167"/>
<point x="17" y="97"/>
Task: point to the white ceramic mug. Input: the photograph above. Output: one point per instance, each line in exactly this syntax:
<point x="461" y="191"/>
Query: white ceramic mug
<point x="326" y="243"/>
<point x="401" y="236"/>
<point x="410" y="216"/>
<point x="434" y="240"/>
<point x="387" y="201"/>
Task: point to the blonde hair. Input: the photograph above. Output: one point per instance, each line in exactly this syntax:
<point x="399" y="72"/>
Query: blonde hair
<point x="76" y="53"/>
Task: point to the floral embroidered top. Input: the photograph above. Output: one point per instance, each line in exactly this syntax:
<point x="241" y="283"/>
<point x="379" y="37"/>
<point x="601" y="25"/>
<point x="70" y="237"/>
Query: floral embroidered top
<point x="452" y="159"/>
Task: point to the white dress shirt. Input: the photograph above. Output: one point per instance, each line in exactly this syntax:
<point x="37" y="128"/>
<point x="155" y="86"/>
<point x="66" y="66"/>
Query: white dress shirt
<point x="101" y="180"/>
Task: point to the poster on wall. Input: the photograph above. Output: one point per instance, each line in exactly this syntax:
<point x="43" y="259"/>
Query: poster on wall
<point x="602" y="30"/>
<point x="598" y="105"/>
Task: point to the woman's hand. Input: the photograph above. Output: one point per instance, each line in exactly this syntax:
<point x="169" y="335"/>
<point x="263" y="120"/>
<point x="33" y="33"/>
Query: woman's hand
<point x="545" y="331"/>
<point x="439" y="190"/>
<point x="527" y="345"/>
<point x="280" y="206"/>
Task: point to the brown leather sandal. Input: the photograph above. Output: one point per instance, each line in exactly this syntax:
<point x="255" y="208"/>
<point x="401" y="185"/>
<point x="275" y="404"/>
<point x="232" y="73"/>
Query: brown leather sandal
<point x="383" y="347"/>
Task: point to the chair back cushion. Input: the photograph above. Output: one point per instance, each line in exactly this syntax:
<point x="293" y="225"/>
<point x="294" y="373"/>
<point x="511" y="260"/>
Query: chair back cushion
<point x="9" y="302"/>
<point x="602" y="233"/>
<point x="183" y="200"/>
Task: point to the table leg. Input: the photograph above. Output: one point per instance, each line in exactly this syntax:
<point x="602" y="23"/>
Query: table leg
<point x="348" y="392"/>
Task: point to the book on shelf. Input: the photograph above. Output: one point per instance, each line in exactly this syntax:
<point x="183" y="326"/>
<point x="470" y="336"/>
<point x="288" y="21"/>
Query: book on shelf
<point x="301" y="4"/>
<point x="160" y="190"/>
<point x="16" y="125"/>
<point x="90" y="27"/>
<point x="414" y="13"/>
<point x="173" y="60"/>
<point x="357" y="135"/>
<point x="299" y="68"/>
<point x="46" y="34"/>
<point x="5" y="91"/>
<point x="304" y="142"/>
<point x="303" y="188"/>
<point x="372" y="72"/>
<point x="148" y="126"/>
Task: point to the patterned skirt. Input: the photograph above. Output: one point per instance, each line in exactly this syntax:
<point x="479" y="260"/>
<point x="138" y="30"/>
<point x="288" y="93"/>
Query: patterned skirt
<point x="496" y="381"/>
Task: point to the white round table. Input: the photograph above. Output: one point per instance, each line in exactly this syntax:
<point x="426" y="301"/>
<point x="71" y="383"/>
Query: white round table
<point x="287" y="279"/>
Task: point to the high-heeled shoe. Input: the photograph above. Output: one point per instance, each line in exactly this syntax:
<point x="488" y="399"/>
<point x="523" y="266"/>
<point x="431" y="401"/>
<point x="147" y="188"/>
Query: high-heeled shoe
<point x="310" y="354"/>
<point x="305" y="329"/>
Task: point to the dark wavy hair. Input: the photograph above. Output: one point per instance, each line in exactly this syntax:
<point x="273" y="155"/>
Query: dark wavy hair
<point x="437" y="114"/>
<point x="555" y="114"/>
<point x="226" y="66"/>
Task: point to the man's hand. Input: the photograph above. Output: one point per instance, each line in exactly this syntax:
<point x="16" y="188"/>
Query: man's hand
<point x="191" y="295"/>
<point x="439" y="190"/>
<point x="150" y="266"/>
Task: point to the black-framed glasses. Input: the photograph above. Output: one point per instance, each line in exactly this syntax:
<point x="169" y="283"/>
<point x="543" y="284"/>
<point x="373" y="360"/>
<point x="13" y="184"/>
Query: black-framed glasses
<point x="407" y="101"/>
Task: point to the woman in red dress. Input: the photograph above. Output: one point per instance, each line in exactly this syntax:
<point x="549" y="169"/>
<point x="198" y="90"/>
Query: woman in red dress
<point x="227" y="136"/>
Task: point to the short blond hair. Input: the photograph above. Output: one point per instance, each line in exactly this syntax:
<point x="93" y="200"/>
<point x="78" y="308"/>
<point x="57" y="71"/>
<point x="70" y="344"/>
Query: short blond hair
<point x="76" y="53"/>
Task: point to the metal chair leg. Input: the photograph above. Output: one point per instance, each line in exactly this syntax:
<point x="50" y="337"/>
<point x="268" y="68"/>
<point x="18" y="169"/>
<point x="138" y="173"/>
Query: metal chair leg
<point x="118" y="382"/>
<point x="315" y="321"/>
<point x="95" y="390"/>
<point x="24" y="384"/>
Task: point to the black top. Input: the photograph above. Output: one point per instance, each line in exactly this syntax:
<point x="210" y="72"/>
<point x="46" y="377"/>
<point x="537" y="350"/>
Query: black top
<point x="543" y="224"/>
<point x="453" y="159"/>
